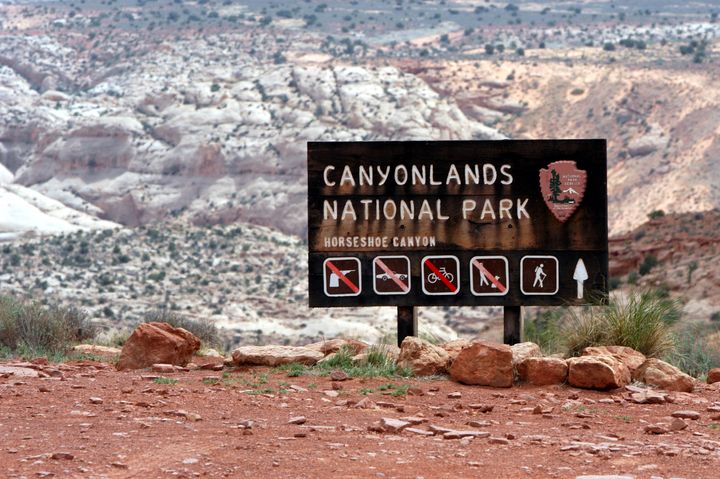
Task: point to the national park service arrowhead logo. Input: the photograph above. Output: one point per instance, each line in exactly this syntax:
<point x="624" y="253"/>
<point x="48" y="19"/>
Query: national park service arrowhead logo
<point x="562" y="186"/>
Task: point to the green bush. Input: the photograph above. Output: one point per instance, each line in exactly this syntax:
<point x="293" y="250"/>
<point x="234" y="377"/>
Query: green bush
<point x="692" y="353"/>
<point x="28" y="328"/>
<point x="545" y="330"/>
<point x="641" y="321"/>
<point x="649" y="262"/>
<point x="204" y="329"/>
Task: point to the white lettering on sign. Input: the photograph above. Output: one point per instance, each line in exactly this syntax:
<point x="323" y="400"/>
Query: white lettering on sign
<point x="366" y="209"/>
<point x="379" y="241"/>
<point x="418" y="175"/>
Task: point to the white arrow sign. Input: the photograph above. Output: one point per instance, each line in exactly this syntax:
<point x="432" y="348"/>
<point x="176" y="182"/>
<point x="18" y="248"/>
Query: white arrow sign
<point x="580" y="275"/>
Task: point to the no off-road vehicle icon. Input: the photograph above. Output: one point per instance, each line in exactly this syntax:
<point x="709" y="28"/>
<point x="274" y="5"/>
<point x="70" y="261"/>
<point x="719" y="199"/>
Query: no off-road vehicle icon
<point x="386" y="277"/>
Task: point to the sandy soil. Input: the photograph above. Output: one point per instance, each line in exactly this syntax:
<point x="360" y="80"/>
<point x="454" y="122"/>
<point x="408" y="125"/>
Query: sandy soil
<point x="94" y="422"/>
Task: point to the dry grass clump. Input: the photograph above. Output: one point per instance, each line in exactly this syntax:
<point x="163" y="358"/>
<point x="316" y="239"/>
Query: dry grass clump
<point x="641" y="321"/>
<point x="28" y="328"/>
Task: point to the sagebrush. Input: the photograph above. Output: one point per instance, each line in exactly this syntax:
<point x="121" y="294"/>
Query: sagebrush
<point x="28" y="328"/>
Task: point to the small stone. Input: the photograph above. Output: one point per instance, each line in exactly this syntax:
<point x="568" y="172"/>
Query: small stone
<point x="693" y="415"/>
<point x="297" y="420"/>
<point x="393" y="425"/>
<point x="44" y="389"/>
<point x="126" y="390"/>
<point x="419" y="432"/>
<point x="65" y="456"/>
<point x="339" y="375"/>
<point x="485" y="408"/>
<point x="331" y="394"/>
<point x="678" y="424"/>
<point x="163" y="368"/>
<point x="365" y="403"/>
<point x="454" y="395"/>
<point x="119" y="465"/>
<point x="96" y="400"/>
<point x="415" y="392"/>
<point x="537" y="409"/>
<point x="498" y="440"/>
<point x="191" y="460"/>
<point x="656" y="429"/>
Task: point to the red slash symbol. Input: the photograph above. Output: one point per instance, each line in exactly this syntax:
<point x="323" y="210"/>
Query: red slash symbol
<point x="392" y="275"/>
<point x="489" y="276"/>
<point x="441" y="275"/>
<point x="342" y="277"/>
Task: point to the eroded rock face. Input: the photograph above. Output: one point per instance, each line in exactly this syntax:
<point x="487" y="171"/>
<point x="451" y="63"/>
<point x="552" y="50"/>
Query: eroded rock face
<point x="423" y="358"/>
<point x="597" y="372"/>
<point x="275" y="355"/>
<point x="628" y="356"/>
<point x="542" y="371"/>
<point x="153" y="343"/>
<point x="196" y="147"/>
<point x="662" y="375"/>
<point x="484" y="364"/>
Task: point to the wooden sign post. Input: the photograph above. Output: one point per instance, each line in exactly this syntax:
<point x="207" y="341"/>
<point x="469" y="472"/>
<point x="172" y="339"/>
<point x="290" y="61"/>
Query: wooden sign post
<point x="466" y="223"/>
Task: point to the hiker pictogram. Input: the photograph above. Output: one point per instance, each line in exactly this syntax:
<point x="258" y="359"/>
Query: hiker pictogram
<point x="539" y="275"/>
<point x="440" y="275"/>
<point x="342" y="277"/>
<point x="489" y="276"/>
<point x="391" y="275"/>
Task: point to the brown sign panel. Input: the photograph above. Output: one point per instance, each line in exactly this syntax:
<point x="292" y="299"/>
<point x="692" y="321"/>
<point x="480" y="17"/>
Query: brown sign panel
<point x="500" y="204"/>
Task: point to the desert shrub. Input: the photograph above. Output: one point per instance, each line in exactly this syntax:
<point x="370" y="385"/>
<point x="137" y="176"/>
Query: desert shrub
<point x="204" y="329"/>
<point x="655" y="214"/>
<point x="614" y="282"/>
<point x="641" y="321"/>
<point x="545" y="330"/>
<point x="693" y="354"/>
<point x="28" y="328"/>
<point x="649" y="262"/>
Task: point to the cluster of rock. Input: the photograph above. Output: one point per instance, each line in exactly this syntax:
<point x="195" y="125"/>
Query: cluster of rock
<point x="500" y="365"/>
<point x="467" y="362"/>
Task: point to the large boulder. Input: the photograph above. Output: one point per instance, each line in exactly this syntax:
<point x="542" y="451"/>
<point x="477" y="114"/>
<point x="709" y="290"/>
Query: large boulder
<point x="542" y="371"/>
<point x="628" y="356"/>
<point x="662" y="375"/>
<point x="597" y="372"/>
<point x="423" y="358"/>
<point x="275" y="355"/>
<point x="454" y="347"/>
<point x="484" y="364"/>
<point x="153" y="343"/>
<point x="713" y="376"/>
<point x="522" y="351"/>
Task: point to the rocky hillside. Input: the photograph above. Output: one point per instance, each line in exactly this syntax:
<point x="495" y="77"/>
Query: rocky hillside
<point x="249" y="280"/>
<point x="679" y="254"/>
<point x="657" y="109"/>
<point x="197" y="127"/>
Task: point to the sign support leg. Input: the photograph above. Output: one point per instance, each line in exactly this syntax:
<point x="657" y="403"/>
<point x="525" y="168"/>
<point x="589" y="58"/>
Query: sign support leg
<point x="406" y="322"/>
<point x="512" y="324"/>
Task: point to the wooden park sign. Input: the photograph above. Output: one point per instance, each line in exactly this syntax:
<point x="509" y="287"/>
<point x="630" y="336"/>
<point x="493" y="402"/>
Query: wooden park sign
<point x="460" y="223"/>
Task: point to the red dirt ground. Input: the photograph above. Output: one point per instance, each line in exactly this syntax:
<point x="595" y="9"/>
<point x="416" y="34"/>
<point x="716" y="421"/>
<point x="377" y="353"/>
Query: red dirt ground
<point x="136" y="428"/>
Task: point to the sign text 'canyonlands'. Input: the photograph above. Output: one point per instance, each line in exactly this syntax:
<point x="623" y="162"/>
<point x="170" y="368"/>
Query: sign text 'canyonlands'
<point x="520" y="222"/>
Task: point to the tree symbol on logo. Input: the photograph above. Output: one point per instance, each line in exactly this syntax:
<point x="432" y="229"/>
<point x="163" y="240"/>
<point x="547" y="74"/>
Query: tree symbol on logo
<point x="555" y="187"/>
